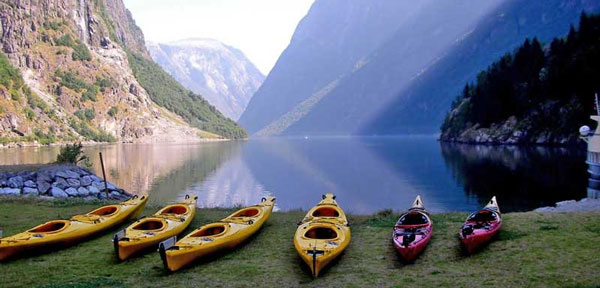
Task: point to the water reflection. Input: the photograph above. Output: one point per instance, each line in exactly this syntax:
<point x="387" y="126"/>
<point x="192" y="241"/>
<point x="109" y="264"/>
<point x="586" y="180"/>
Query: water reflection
<point x="367" y="174"/>
<point x="522" y="177"/>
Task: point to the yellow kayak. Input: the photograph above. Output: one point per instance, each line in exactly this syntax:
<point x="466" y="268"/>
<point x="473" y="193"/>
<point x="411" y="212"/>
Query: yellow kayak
<point x="215" y="237"/>
<point x="322" y="235"/>
<point x="67" y="232"/>
<point x="149" y="231"/>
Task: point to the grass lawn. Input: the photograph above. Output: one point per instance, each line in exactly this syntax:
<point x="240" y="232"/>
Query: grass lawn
<point x="533" y="249"/>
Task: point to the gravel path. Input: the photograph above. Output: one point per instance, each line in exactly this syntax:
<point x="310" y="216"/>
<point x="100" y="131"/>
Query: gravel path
<point x="585" y="204"/>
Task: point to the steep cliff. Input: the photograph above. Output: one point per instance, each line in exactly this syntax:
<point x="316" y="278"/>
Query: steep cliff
<point x="220" y="73"/>
<point x="71" y="76"/>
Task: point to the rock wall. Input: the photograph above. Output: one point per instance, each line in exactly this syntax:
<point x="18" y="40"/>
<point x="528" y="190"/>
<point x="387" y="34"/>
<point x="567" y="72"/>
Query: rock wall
<point x="61" y="181"/>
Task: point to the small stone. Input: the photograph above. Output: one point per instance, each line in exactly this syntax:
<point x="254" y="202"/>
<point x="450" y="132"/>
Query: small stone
<point x="101" y="196"/>
<point x="75" y="183"/>
<point x="82" y="192"/>
<point x="28" y="191"/>
<point x="58" y="193"/>
<point x="11" y="191"/>
<point x="90" y="198"/>
<point x="111" y="186"/>
<point x="86" y="180"/>
<point x="30" y="184"/>
<point x="43" y="186"/>
<point x="15" y="182"/>
<point x="562" y="203"/>
<point x="544" y="209"/>
<point x="71" y="192"/>
<point x="46" y="197"/>
<point x="61" y="183"/>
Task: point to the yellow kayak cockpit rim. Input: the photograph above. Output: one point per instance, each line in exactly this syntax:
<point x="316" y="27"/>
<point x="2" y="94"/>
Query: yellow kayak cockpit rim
<point x="49" y="227"/>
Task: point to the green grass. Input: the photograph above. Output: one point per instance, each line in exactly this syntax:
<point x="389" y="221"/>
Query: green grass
<point x="525" y="254"/>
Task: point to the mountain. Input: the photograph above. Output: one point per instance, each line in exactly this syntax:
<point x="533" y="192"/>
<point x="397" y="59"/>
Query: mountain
<point x="533" y="95"/>
<point x="76" y="70"/>
<point x="220" y="73"/>
<point x="332" y="80"/>
<point x="422" y="106"/>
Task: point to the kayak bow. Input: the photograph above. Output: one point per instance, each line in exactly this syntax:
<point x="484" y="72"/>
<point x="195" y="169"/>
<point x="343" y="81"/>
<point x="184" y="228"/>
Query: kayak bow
<point x="481" y="226"/>
<point x="413" y="231"/>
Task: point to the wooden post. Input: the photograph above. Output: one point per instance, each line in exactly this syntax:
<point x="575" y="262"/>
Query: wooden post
<point x="104" y="175"/>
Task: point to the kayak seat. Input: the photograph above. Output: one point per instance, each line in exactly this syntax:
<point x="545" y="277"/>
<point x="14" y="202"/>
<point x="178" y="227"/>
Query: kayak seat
<point x="210" y="231"/>
<point x="49" y="227"/>
<point x="413" y="219"/>
<point x="321" y="233"/>
<point x="325" y="212"/>
<point x="176" y="209"/>
<point x="149" y="225"/>
<point x="105" y="211"/>
<point x="249" y="212"/>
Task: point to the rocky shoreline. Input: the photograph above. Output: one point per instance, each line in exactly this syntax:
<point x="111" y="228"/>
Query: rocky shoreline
<point x="511" y="132"/>
<point x="59" y="181"/>
<point x="585" y="204"/>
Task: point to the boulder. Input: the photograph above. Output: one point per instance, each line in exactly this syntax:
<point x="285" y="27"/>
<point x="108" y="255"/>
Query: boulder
<point x="82" y="172"/>
<point x="93" y="190"/>
<point x="73" y="182"/>
<point x="86" y="181"/>
<point x="82" y="192"/>
<point x="11" y="191"/>
<point x="44" y="176"/>
<point x="61" y="183"/>
<point x="27" y="175"/>
<point x="58" y="193"/>
<point x="30" y="184"/>
<point x="43" y="186"/>
<point x="71" y="191"/>
<point x="67" y="174"/>
<point x="15" y="182"/>
<point x="562" y="203"/>
<point x="99" y="185"/>
<point x="28" y="191"/>
<point x="95" y="178"/>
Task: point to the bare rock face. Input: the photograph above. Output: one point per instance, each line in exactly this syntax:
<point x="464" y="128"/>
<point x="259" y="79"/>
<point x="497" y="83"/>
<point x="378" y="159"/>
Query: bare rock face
<point x="72" y="60"/>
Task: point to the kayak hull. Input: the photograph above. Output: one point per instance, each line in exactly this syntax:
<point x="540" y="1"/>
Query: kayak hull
<point x="148" y="232"/>
<point x="322" y="235"/>
<point x="215" y="237"/>
<point x="481" y="227"/>
<point x="52" y="235"/>
<point x="412" y="232"/>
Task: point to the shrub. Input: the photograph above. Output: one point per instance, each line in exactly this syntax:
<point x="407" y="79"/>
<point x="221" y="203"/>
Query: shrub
<point x="90" y="94"/>
<point x="72" y="153"/>
<point x="112" y="112"/>
<point x="89" y="114"/>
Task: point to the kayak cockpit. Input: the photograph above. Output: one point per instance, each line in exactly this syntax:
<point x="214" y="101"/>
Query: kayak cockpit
<point x="483" y="216"/>
<point x="210" y="231"/>
<point x="50" y="227"/>
<point x="174" y="209"/>
<point x="326" y="211"/>
<point x="321" y="233"/>
<point x="246" y="212"/>
<point x="149" y="225"/>
<point x="105" y="211"/>
<point x="413" y="218"/>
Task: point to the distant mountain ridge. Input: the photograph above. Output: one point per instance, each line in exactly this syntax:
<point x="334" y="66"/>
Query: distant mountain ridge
<point x="222" y="74"/>
<point x="400" y="77"/>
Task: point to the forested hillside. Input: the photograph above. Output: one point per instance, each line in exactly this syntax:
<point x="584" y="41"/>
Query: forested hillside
<point x="537" y="94"/>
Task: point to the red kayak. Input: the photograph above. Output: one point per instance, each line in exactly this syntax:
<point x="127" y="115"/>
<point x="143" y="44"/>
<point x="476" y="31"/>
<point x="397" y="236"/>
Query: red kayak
<point x="481" y="226"/>
<point x="412" y="231"/>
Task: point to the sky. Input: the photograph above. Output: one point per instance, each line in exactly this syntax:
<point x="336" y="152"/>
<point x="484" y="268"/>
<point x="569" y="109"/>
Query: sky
<point x="262" y="29"/>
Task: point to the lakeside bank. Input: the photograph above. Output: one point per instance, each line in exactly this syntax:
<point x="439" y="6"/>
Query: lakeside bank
<point x="532" y="249"/>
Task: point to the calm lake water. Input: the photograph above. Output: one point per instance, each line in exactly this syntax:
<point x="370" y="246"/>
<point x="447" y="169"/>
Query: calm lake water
<point x="367" y="174"/>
